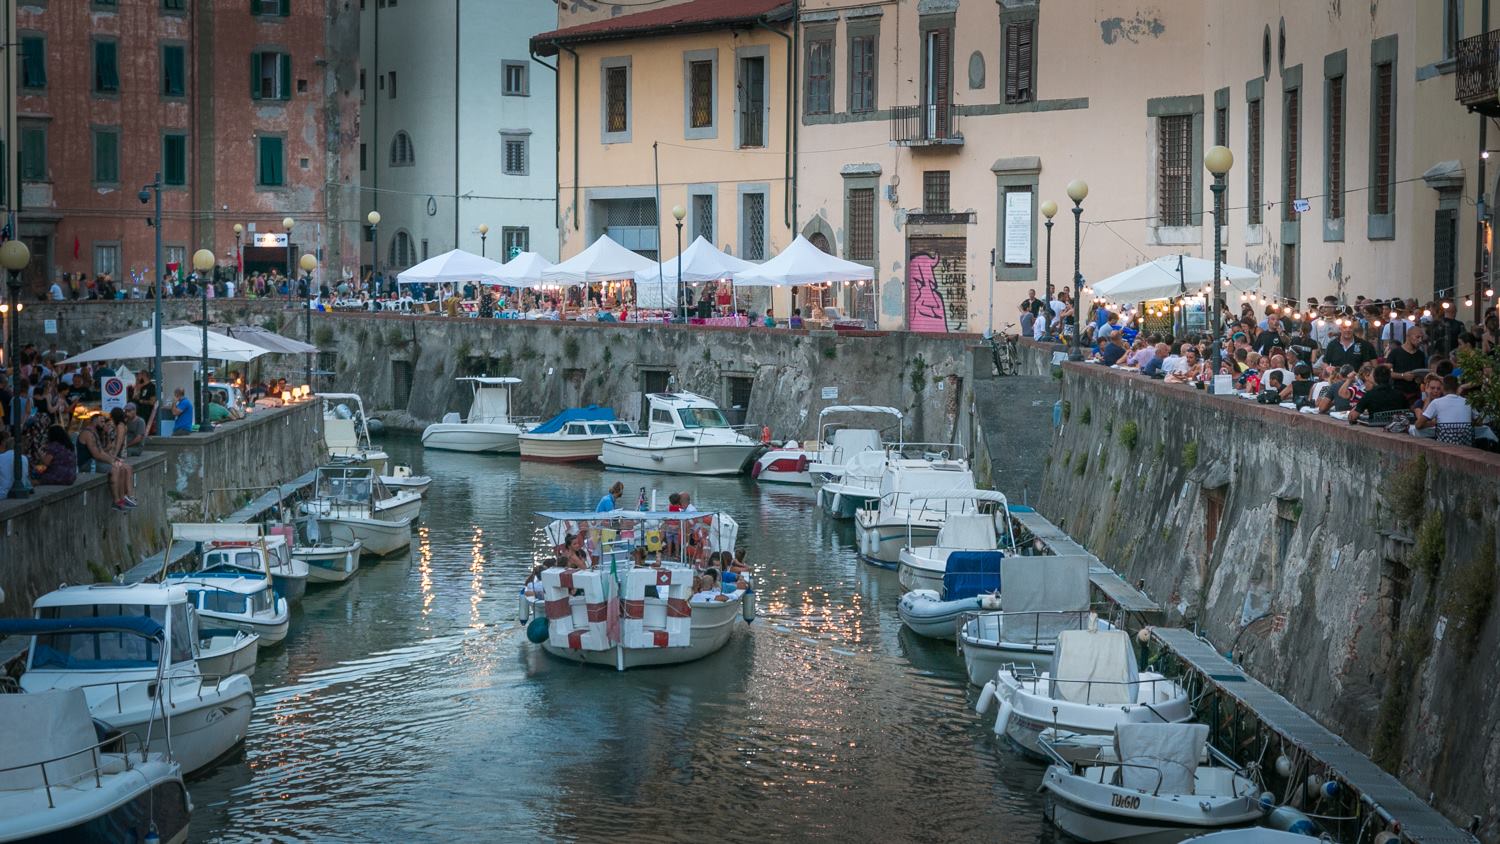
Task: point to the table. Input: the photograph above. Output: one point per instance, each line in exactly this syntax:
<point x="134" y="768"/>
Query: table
<point x="735" y="321"/>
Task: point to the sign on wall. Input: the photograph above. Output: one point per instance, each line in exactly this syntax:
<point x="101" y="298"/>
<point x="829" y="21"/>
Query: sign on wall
<point x="1018" y="227"/>
<point x="264" y="239"/>
<point x="112" y="393"/>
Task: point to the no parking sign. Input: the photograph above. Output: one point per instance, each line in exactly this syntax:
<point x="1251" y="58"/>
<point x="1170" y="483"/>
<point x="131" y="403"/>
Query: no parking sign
<point x="112" y="391"/>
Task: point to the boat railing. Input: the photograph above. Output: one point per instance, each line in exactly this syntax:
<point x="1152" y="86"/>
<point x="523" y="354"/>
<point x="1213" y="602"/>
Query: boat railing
<point x="928" y="451"/>
<point x="1030" y="674"/>
<point x="153" y="685"/>
<point x="122" y="741"/>
<point x="669" y="437"/>
<point x="994" y="622"/>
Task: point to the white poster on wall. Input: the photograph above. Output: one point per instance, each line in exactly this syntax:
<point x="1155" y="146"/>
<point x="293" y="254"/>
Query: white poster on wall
<point x="1018" y="227"/>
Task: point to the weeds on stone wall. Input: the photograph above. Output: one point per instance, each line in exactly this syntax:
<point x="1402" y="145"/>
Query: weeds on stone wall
<point x="608" y="356"/>
<point x="464" y="350"/>
<point x="1129" y="434"/>
<point x="830" y="351"/>
<point x="1081" y="466"/>
<point x="271" y="323"/>
<point x="1190" y="454"/>
<point x="99" y="572"/>
<point x="361" y="336"/>
<point x="1067" y="458"/>
<point x="1390" y="723"/>
<point x="1067" y="409"/>
<point x="1471" y="593"/>
<point x="1427" y="554"/>
<point x="323" y="336"/>
<point x="1407" y="491"/>
<point x="918" y="374"/>
<point x="396" y="338"/>
<point x="1087" y="416"/>
<point x="571" y="348"/>
<point x="1109" y="426"/>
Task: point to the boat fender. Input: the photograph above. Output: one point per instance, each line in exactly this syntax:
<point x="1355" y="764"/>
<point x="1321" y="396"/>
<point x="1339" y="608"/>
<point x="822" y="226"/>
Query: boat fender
<point x="522" y="610"/>
<point x="1002" y="721"/>
<point x="990" y="601"/>
<point x="802" y="463"/>
<point x="1330" y="789"/>
<point x="1267" y="801"/>
<point x="747" y="605"/>
<point x="755" y="469"/>
<point x="536" y="630"/>
<point x="1287" y="819"/>
<point x="986" y="697"/>
<point x="152" y="837"/>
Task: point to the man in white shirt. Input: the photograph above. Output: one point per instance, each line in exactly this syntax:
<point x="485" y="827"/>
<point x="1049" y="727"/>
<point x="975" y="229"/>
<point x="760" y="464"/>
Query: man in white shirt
<point x="55" y="292"/>
<point x="8" y="464"/>
<point x="1450" y="414"/>
<point x="1039" y="326"/>
<point x="1175" y="363"/>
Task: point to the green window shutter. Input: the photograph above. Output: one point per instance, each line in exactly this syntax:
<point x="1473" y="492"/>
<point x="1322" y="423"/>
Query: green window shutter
<point x="106" y="157"/>
<point x="286" y="75"/>
<point x="271" y="169"/>
<point x="173" y="69"/>
<point x="286" y="8"/>
<point x="34" y="154"/>
<point x="33" y="62"/>
<point x="174" y="159"/>
<point x="255" y="76"/>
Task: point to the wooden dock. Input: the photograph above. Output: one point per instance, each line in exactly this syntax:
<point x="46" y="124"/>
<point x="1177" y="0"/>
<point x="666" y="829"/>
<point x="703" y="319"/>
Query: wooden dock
<point x="1128" y="598"/>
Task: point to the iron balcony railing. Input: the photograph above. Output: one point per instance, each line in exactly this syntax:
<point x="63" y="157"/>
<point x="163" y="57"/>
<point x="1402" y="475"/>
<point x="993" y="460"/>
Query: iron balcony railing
<point x="1477" y="81"/>
<point x="930" y="124"/>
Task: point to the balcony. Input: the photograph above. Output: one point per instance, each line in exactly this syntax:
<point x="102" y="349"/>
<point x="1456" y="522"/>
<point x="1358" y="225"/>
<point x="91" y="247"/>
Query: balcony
<point x="1477" y="82"/>
<point x="934" y="125"/>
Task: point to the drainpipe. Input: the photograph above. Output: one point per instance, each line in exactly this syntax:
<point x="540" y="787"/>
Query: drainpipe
<point x="1482" y="209"/>
<point x="789" y="211"/>
<point x="577" y="212"/>
<point x="556" y="139"/>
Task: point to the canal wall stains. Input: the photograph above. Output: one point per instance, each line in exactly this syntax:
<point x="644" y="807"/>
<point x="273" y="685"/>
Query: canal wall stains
<point x="1351" y="570"/>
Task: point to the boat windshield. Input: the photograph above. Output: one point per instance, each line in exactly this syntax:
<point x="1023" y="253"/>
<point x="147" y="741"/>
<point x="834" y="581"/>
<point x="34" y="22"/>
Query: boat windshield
<point x="702" y="417"/>
<point x="602" y="428"/>
<point x="263" y="601"/>
<point x="220" y="601"/>
<point x="96" y="651"/>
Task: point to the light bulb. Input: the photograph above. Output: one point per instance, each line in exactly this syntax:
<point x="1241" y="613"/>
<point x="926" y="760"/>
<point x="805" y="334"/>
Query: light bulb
<point x="1445" y="306"/>
<point x="1377" y="323"/>
<point x="1489" y="294"/>
<point x="1393" y="316"/>
<point x="1468" y="301"/>
<point x="1426" y="312"/>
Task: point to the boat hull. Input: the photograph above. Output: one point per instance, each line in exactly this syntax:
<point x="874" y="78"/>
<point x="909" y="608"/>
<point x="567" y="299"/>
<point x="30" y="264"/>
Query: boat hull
<point x="377" y="537"/>
<point x="1090" y="811"/>
<point x="290" y="586"/>
<point x="476" y="438"/>
<point x="784" y="466"/>
<point x="417" y="484"/>
<point x="1030" y="711"/>
<point x="330" y="564"/>
<point x="229" y="654"/>
<point x="706" y="459"/>
<point x="546" y="448"/>
<point x="122" y="808"/>
<point x="924" y="614"/>
<point x="713" y="624"/>
<point x="842" y="501"/>
<point x="403" y="511"/>
<point x="881" y="542"/>
<point x="914" y="572"/>
<point x="271" y="631"/>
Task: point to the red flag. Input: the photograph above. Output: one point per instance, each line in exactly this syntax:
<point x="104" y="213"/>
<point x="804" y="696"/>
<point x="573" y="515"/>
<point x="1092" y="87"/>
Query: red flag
<point x="75" y="247"/>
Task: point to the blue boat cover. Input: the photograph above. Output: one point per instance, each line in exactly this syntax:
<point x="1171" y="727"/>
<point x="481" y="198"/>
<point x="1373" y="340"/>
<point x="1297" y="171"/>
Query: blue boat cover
<point x="592" y="413"/>
<point x="971" y="573"/>
<point x="137" y="624"/>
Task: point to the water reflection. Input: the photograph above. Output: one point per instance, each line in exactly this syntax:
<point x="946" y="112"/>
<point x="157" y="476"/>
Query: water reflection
<point x="406" y="702"/>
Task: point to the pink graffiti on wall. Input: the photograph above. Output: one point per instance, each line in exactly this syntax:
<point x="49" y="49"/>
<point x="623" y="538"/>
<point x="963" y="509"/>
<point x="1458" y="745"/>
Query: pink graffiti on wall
<point x="924" y="304"/>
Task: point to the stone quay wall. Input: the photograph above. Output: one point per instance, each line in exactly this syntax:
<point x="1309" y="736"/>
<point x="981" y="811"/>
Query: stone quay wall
<point x="1352" y="570"/>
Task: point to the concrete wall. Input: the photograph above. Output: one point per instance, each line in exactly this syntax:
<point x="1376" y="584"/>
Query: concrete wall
<point x="1353" y="571"/>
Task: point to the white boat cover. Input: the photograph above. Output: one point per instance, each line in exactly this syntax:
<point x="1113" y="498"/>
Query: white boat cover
<point x="1172" y="749"/>
<point x="969" y="532"/>
<point x="859" y="408"/>
<point x="45" y="726"/>
<point x="865" y="467"/>
<point x="1093" y="667"/>
<point x="215" y="531"/>
<point x="848" y="442"/>
<point x="1045" y="584"/>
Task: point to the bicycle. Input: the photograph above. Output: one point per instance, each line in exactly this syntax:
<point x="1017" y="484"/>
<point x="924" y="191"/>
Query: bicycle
<point x="1003" y="351"/>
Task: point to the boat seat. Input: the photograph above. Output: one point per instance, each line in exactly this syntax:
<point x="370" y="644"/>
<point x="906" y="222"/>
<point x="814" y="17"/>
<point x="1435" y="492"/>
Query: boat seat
<point x="971" y="573"/>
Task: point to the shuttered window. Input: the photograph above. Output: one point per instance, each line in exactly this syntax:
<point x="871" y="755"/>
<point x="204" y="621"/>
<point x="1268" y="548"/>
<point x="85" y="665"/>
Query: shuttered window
<point x="1174" y="169"/>
<point x="861" y="216"/>
<point x="1252" y="168"/>
<point x="703" y="216"/>
<point x="106" y="67"/>
<point x="1445" y="252"/>
<point x="174" y="159"/>
<point x="271" y="171"/>
<point x="820" y="76"/>
<point x="271" y="76"/>
<point x="752" y="83"/>
<point x="935" y="192"/>
<point x="1019" y="36"/>
<point x="1291" y="153"/>
<point x="1380" y="190"/>
<point x="34" y="153"/>
<point x="862" y="73"/>
<point x="173" y="70"/>
<point x="615" y="92"/>
<point x="1335" y="164"/>
<point x="701" y="85"/>
<point x="33" y="61"/>
<point x="940" y="81"/>
<point x="106" y="156"/>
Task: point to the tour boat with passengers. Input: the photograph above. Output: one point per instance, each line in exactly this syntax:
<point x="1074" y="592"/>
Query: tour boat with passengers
<point x="346" y="432"/>
<point x="60" y="781"/>
<point x="1042" y="596"/>
<point x="488" y="428"/>
<point x="576" y="435"/>
<point x="643" y="601"/>
<point x="346" y="508"/>
<point x="123" y="645"/>
<point x="687" y="435"/>
<point x="835" y="446"/>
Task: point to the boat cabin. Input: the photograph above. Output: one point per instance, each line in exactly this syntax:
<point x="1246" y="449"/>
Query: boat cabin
<point x="344" y="429"/>
<point x="111" y="650"/>
<point x="492" y="400"/>
<point x="228" y="593"/>
<point x="683" y="412"/>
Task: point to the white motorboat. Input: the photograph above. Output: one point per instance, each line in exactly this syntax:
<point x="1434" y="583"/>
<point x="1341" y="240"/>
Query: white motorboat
<point x="1093" y="685"/>
<point x="687" y="435"/>
<point x="834" y="448"/>
<point x="223" y="651"/>
<point x="663" y="620"/>
<point x="58" y="783"/>
<point x="122" y="645"/>
<point x="576" y="435"/>
<point x="924" y="567"/>
<point x="346" y="432"/>
<point x="401" y="479"/>
<point x="916" y="498"/>
<point x="1043" y="596"/>
<point x="1256" y="835"/>
<point x="1145" y="784"/>
<point x="345" y="509"/>
<point x="247" y="547"/>
<point x="489" y="427"/>
<point x="328" y="561"/>
<point x="844" y="491"/>
<point x="237" y="599"/>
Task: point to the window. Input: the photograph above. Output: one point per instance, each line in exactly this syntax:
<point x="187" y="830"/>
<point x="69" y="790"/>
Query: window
<point x="514" y="154"/>
<point x="1020" y="61"/>
<point x="106" y="68"/>
<point x="616" y="100"/>
<point x="515" y="240"/>
<point x="106" y="156"/>
<point x="820" y="75"/>
<point x="270" y="76"/>
<point x="937" y="82"/>
<point x="33" y="62"/>
<point x="860" y="242"/>
<point x="281" y="8"/>
<point x="1334" y="151"/>
<point x="1453" y="26"/>
<point x="1174" y="170"/>
<point x="107" y="259"/>
<point x="1252" y="167"/>
<point x="700" y="94"/>
<point x="515" y="79"/>
<point x="174" y="159"/>
<point x="935" y="192"/>
<point x="703" y="216"/>
<point x="862" y="72"/>
<point x="174" y="5"/>
<point x="363" y="160"/>
<point x="1380" y="152"/>
<point x="271" y="169"/>
<point x="403" y="154"/>
<point x="175" y="255"/>
<point x="753" y="226"/>
<point x="401" y="251"/>
<point x="630" y="222"/>
<point x="1291" y="152"/>
<point x="390" y="86"/>
<point x="1445" y="252"/>
<point x="173" y="70"/>
<point x="752" y="96"/>
<point x="361" y="85"/>
<point x="424" y="249"/>
<point x="34" y="153"/>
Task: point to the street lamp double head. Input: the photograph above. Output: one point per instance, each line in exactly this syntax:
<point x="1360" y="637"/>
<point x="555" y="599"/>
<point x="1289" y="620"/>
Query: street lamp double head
<point x="308" y="262"/>
<point x="1078" y="190"/>
<point x="14" y="256"/>
<point x="678" y="213"/>
<point x="1218" y="160"/>
<point x="203" y="263"/>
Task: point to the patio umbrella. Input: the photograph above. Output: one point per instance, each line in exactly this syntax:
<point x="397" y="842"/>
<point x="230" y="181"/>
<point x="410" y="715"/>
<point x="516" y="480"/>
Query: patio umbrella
<point x="1170" y="276"/>
<point x="184" y="341"/>
<point x="269" y="340"/>
<point x="701" y="261"/>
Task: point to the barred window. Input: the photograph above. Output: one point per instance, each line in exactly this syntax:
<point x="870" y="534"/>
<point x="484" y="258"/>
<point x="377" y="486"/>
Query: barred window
<point x="514" y="155"/>
<point x="861" y="216"/>
<point x="1253" y="168"/>
<point x="862" y="73"/>
<point x="1335" y="165"/>
<point x="1174" y="166"/>
<point x="616" y="91"/>
<point x="935" y="192"/>
<point x="701" y="82"/>
<point x="402" y="151"/>
<point x="703" y="217"/>
<point x="515" y="240"/>
<point x="820" y="76"/>
<point x="753" y="222"/>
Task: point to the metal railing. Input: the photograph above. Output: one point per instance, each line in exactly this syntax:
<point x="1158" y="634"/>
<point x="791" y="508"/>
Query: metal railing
<point x="694" y="436"/>
<point x="928" y="451"/>
<point x="997" y="625"/>
<point x="93" y="750"/>
<point x="1026" y="673"/>
<point x="1478" y="71"/>
<point x="928" y="123"/>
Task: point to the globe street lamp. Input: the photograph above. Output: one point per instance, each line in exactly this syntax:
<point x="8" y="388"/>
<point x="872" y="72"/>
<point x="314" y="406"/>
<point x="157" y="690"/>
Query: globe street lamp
<point x="1218" y="160"/>
<point x="309" y="262"/>
<point x="1078" y="189"/>
<point x="203" y="261"/>
<point x="239" y="258"/>
<point x="1049" y="209"/>
<point x="678" y="212"/>
<point x="484" y="232"/>
<point x="14" y="256"/>
<point x="287" y="223"/>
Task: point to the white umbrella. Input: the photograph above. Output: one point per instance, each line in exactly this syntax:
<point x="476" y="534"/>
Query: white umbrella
<point x="272" y="342"/>
<point x="604" y="260"/>
<point x="185" y="341"/>
<point x="701" y="261"/>
<point x="1164" y="278"/>
<point x="455" y="266"/>
<point x="802" y="263"/>
<point x="524" y="270"/>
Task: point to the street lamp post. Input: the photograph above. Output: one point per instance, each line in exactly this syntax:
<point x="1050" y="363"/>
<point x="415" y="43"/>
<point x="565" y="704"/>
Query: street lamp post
<point x="678" y="212"/>
<point x="14" y="256"/>
<point x="239" y="260"/>
<point x="1049" y="209"/>
<point x="203" y="262"/>
<point x="484" y="232"/>
<point x="309" y="263"/>
<point x="373" y="218"/>
<point x="1078" y="189"/>
<point x="145" y="196"/>
<point x="287" y="223"/>
<point x="1218" y="160"/>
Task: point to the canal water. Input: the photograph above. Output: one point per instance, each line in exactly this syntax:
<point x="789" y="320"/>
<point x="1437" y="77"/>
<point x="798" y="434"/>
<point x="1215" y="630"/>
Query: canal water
<point x="407" y="705"/>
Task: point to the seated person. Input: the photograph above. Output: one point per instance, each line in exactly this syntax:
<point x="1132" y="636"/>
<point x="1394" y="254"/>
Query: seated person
<point x="572" y="554"/>
<point x="533" y="585"/>
<point x="218" y="409"/>
<point x="706" y="587"/>
<point x="796" y="320"/>
<point x="1450" y="414"/>
<point x="1275" y="385"/>
<point x="1380" y="398"/>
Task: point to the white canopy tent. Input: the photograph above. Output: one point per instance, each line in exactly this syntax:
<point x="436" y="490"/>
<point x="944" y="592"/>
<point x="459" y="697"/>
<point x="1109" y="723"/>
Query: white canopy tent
<point x="456" y="266"/>
<point x="802" y="263"/>
<point x="604" y="260"/>
<point x="701" y="261"/>
<point x="184" y="341"/>
<point x="524" y="270"/>
<point x="1170" y="276"/>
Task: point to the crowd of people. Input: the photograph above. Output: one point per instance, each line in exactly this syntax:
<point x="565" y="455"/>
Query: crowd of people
<point x="1395" y="363"/>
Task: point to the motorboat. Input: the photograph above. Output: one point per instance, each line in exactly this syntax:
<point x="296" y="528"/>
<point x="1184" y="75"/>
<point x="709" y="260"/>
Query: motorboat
<point x="1258" y="835"/>
<point x="1145" y="784"/>
<point x="395" y="505"/>
<point x="1092" y="686"/>
<point x="971" y="583"/>
<point x="924" y="567"/>
<point x="328" y="560"/>
<point x="835" y="447"/>
<point x="237" y="599"/>
<point x="346" y="432"/>
<point x="223" y="651"/>
<point x="60" y="782"/>
<point x="916" y="498"/>
<point x="644" y="574"/>
<point x="489" y="427"/>
<point x="1043" y="596"/>
<point x="122" y="645"/>
<point x="687" y="435"/>
<point x="345" y="509"/>
<point x="845" y="492"/>
<point x="576" y="435"/>
<point x="247" y="547"/>
<point x="401" y="479"/>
